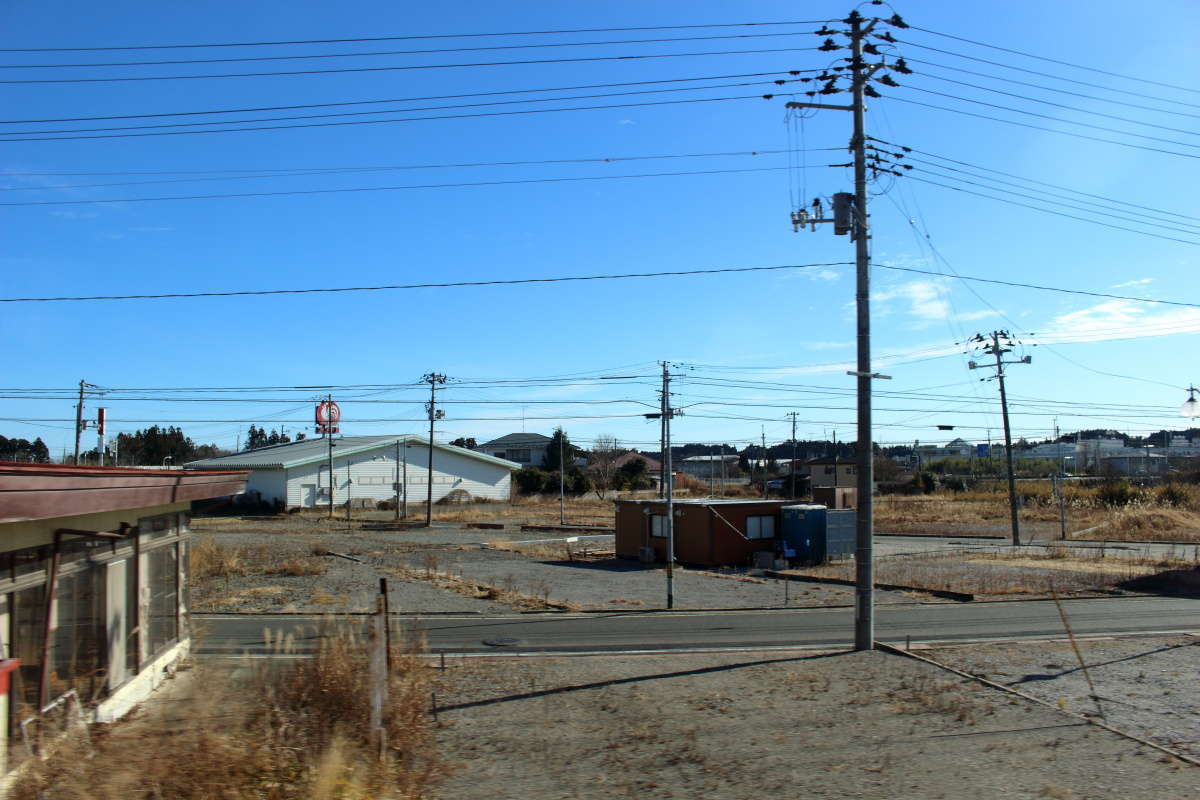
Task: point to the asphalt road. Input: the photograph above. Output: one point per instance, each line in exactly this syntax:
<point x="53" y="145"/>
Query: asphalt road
<point x="219" y="634"/>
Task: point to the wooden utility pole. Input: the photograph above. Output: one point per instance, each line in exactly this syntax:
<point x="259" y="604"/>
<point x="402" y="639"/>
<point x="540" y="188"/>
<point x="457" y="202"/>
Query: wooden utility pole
<point x="78" y="422"/>
<point x="996" y="344"/>
<point x="562" y="479"/>
<point x="665" y="414"/>
<point x="433" y="379"/>
<point x="329" y="434"/>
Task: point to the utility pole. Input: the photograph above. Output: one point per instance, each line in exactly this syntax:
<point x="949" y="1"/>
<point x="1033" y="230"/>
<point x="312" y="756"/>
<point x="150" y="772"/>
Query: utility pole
<point x="562" y="480"/>
<point x="792" y="414"/>
<point x="850" y="217"/>
<point x="1062" y="485"/>
<point x="997" y="348"/>
<point x="762" y="431"/>
<point x="666" y="413"/>
<point x="329" y="435"/>
<point x="79" y="422"/>
<point x="433" y="379"/>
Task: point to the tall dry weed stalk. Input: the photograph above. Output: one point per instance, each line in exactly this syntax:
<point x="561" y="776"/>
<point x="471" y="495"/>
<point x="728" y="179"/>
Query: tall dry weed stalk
<point x="296" y="730"/>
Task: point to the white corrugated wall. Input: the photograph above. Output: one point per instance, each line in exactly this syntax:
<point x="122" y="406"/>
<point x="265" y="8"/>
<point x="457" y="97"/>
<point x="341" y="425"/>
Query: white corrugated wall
<point x="371" y="473"/>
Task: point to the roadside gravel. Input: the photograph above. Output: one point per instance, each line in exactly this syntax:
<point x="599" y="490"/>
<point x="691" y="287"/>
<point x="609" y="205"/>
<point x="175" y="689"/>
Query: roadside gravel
<point x="753" y="725"/>
<point x="1146" y="684"/>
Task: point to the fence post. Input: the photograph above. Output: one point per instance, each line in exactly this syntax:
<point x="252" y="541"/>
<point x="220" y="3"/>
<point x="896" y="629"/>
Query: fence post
<point x="378" y="675"/>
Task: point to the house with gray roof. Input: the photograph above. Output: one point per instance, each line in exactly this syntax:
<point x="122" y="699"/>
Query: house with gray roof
<point x="526" y="449"/>
<point x="364" y="469"/>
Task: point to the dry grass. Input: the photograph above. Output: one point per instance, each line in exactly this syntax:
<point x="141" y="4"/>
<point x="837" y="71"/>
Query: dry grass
<point x="554" y="550"/>
<point x="1167" y="514"/>
<point x="509" y="593"/>
<point x="1005" y="574"/>
<point x="298" y="731"/>
<point x="532" y="510"/>
<point x="211" y="559"/>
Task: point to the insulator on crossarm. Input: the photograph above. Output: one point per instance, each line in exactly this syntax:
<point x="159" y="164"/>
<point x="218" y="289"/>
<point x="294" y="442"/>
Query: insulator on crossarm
<point x="826" y="31"/>
<point x="887" y="80"/>
<point x="886" y="37"/>
<point x="829" y="44"/>
<point x="869" y="91"/>
<point x="896" y="21"/>
<point x="901" y="66"/>
<point x="830" y="88"/>
<point x="872" y="49"/>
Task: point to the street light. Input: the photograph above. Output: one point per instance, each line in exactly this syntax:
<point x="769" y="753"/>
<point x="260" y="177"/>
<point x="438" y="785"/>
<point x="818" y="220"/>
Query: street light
<point x="1191" y="407"/>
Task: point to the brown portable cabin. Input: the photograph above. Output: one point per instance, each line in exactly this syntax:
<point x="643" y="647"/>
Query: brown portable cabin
<point x="708" y="532"/>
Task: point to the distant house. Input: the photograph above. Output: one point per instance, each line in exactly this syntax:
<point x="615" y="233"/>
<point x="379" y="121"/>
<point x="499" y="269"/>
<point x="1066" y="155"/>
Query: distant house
<point x="653" y="465"/>
<point x="825" y="472"/>
<point x="956" y="448"/>
<point x="524" y="449"/>
<point x="365" y="469"/>
<point x="710" y="466"/>
<point x="708" y="532"/>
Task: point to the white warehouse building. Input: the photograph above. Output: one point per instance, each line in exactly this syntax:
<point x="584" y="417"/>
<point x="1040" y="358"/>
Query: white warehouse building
<point x="365" y="469"/>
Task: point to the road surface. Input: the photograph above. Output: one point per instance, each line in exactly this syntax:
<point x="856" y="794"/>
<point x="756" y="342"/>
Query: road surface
<point x="220" y="634"/>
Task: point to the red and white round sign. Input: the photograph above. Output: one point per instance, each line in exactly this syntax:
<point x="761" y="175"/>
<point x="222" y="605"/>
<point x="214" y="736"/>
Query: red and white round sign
<point x="328" y="413"/>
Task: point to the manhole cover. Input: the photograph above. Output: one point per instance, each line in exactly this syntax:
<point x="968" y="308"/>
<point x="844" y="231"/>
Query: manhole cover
<point x="502" y="641"/>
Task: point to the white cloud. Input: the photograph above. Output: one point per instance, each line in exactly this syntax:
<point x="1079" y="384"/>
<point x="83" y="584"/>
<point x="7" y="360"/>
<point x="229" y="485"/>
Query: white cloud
<point x="829" y="345"/>
<point x="824" y="275"/>
<point x="1119" y="319"/>
<point x="1139" y="282"/>
<point x="626" y="122"/>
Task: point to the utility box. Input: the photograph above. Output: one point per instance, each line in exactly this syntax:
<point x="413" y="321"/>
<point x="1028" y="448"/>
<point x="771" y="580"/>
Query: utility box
<point x="840" y="533"/>
<point x="804" y="534"/>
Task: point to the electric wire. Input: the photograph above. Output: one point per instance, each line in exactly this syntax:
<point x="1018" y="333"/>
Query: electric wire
<point x="410" y="187"/>
<point x="377" y="53"/>
<point x="396" y="68"/>
<point x="410" y="37"/>
<point x="477" y="115"/>
<point x="1058" y="61"/>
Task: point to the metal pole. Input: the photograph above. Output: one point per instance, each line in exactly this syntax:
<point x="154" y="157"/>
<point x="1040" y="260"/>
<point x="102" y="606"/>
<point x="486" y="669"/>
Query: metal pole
<point x="793" y="416"/>
<point x="399" y="488"/>
<point x="864" y="556"/>
<point x="763" y="432"/>
<point x="404" y="478"/>
<point x="78" y="422"/>
<point x="562" y="479"/>
<point x="329" y="433"/>
<point x="666" y="415"/>
<point x="1012" y="481"/>
<point x="1062" y="486"/>
<point x="429" y="485"/>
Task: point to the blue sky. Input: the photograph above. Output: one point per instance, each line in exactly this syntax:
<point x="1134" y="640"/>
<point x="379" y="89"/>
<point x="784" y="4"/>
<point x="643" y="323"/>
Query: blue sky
<point x="793" y="330"/>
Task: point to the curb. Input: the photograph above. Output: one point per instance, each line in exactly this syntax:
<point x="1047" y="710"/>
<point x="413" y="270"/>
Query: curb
<point x="962" y="597"/>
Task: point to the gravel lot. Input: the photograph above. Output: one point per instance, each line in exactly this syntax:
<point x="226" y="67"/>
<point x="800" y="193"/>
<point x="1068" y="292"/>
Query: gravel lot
<point x="861" y="725"/>
<point x="612" y="584"/>
<point x="1147" y="685"/>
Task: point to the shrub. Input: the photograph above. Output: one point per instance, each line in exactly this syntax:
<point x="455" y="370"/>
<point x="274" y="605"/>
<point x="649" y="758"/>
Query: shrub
<point x="1116" y="494"/>
<point x="1174" y="495"/>
<point x="530" y="480"/>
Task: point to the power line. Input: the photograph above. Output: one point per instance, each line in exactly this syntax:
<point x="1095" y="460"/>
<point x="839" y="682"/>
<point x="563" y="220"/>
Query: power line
<point x="1092" y="208"/>
<point x="1052" y="118"/>
<point x="361" y="189"/>
<point x="567" y="279"/>
<point x="1051" y="211"/>
<point x="1058" y="61"/>
<point x="287" y="172"/>
<point x="1043" y="128"/>
<point x="255" y="109"/>
<point x="1021" y="285"/>
<point x="456" y="284"/>
<point x="477" y="115"/>
<point x="1119" y="201"/>
<point x="410" y="67"/>
<point x="1044" y="88"/>
<point x="377" y="53"/>
<point x="454" y="106"/>
<point x="414" y="37"/>
<point x="1064" y="106"/>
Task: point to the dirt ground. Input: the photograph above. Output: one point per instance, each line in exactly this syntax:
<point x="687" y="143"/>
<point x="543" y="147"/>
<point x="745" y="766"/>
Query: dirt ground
<point x="439" y="570"/>
<point x="749" y="725"/>
<point x="1146" y="684"/>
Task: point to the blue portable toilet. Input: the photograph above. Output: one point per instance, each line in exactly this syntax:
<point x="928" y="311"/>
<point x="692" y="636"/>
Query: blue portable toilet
<point x="804" y="532"/>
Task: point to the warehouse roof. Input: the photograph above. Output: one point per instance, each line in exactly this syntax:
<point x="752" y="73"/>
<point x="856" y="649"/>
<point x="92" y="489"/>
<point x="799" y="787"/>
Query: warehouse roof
<point x="308" y="451"/>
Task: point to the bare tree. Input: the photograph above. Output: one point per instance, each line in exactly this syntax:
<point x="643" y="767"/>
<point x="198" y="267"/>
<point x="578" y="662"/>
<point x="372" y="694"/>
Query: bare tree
<point x="602" y="463"/>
